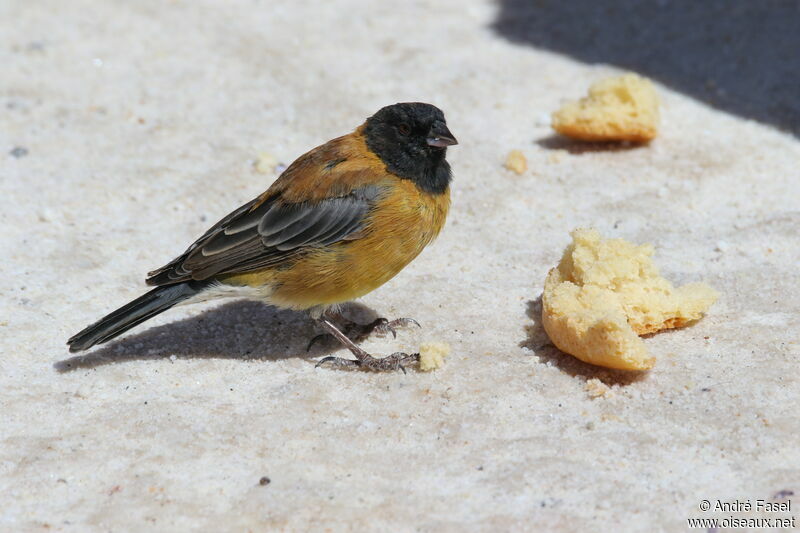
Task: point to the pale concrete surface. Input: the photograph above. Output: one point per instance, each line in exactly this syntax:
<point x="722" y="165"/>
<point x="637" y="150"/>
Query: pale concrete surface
<point x="141" y="121"/>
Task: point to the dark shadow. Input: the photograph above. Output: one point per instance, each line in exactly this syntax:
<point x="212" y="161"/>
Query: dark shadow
<point x="739" y="56"/>
<point x="539" y="343"/>
<point x="237" y="330"/>
<point x="558" y="142"/>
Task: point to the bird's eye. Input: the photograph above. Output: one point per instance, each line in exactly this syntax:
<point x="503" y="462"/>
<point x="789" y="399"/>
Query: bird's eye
<point x="404" y="129"/>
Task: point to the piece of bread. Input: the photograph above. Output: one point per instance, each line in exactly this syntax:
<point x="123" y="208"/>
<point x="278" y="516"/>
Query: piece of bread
<point x="432" y="354"/>
<point x="516" y="162"/>
<point x="605" y="293"/>
<point x="624" y="108"/>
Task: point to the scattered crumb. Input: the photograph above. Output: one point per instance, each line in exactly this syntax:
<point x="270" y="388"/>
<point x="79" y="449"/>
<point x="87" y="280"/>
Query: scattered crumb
<point x="605" y="293"/>
<point x="622" y="108"/>
<point x="556" y="156"/>
<point x="432" y="354"/>
<point x="516" y="162"/>
<point x="266" y="163"/>
<point x="596" y="388"/>
<point x="264" y="481"/>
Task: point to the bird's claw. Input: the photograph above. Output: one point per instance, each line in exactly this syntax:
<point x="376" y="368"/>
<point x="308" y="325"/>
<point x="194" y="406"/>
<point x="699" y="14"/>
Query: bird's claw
<point x="381" y="326"/>
<point x="376" y="364"/>
<point x="359" y="332"/>
<point x="338" y="362"/>
<point x="317" y="338"/>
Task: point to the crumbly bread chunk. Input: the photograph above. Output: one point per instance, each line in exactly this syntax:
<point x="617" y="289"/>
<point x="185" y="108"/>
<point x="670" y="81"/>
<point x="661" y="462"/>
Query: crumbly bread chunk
<point x="597" y="389"/>
<point x="516" y="162"/>
<point x="605" y="293"/>
<point x="432" y="354"/>
<point x="624" y="108"/>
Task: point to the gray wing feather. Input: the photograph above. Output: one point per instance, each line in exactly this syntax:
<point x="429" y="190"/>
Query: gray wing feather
<point x="269" y="234"/>
<point x="281" y="216"/>
<point x="272" y="236"/>
<point x="244" y="222"/>
<point x="324" y="228"/>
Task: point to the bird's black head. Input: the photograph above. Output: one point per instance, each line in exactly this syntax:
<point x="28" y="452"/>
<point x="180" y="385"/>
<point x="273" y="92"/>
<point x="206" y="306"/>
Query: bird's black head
<point x="412" y="139"/>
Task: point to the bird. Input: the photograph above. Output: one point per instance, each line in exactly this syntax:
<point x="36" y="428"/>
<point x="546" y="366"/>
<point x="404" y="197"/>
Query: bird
<point x="339" y="222"/>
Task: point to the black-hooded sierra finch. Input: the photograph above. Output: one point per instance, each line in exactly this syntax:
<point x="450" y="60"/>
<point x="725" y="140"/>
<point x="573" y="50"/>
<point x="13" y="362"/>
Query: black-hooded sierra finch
<point x="341" y="221"/>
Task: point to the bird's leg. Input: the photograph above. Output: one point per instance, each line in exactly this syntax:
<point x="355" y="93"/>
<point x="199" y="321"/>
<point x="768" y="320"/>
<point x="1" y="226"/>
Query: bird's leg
<point x="358" y="332"/>
<point x="363" y="359"/>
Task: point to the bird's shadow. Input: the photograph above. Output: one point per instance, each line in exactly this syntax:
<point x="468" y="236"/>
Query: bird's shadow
<point x="559" y="142"/>
<point x="237" y="330"/>
<point x="539" y="343"/>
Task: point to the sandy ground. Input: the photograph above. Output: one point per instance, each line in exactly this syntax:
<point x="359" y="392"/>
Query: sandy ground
<point x="134" y="126"/>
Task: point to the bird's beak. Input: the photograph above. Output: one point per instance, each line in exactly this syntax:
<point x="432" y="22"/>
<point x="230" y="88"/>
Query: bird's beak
<point x="440" y="136"/>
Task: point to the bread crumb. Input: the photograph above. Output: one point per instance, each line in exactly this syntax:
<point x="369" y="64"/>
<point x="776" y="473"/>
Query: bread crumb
<point x="266" y="163"/>
<point x="622" y="108"/>
<point x="605" y="293"/>
<point x="516" y="162"/>
<point x="432" y="354"/>
<point x="556" y="156"/>
<point x="596" y="388"/>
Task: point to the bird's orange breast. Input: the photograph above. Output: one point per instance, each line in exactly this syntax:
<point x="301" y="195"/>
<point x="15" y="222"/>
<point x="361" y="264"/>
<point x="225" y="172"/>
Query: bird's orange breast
<point x="403" y="221"/>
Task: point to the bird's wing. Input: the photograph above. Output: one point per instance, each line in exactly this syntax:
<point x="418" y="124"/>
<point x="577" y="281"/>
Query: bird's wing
<point x="323" y="197"/>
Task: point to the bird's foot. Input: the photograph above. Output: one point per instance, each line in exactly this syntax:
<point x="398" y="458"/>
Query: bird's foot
<point x="376" y="364"/>
<point x="358" y="332"/>
<point x="380" y="327"/>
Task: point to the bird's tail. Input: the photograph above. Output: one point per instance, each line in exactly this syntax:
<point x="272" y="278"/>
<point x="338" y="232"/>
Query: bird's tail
<point x="134" y="313"/>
